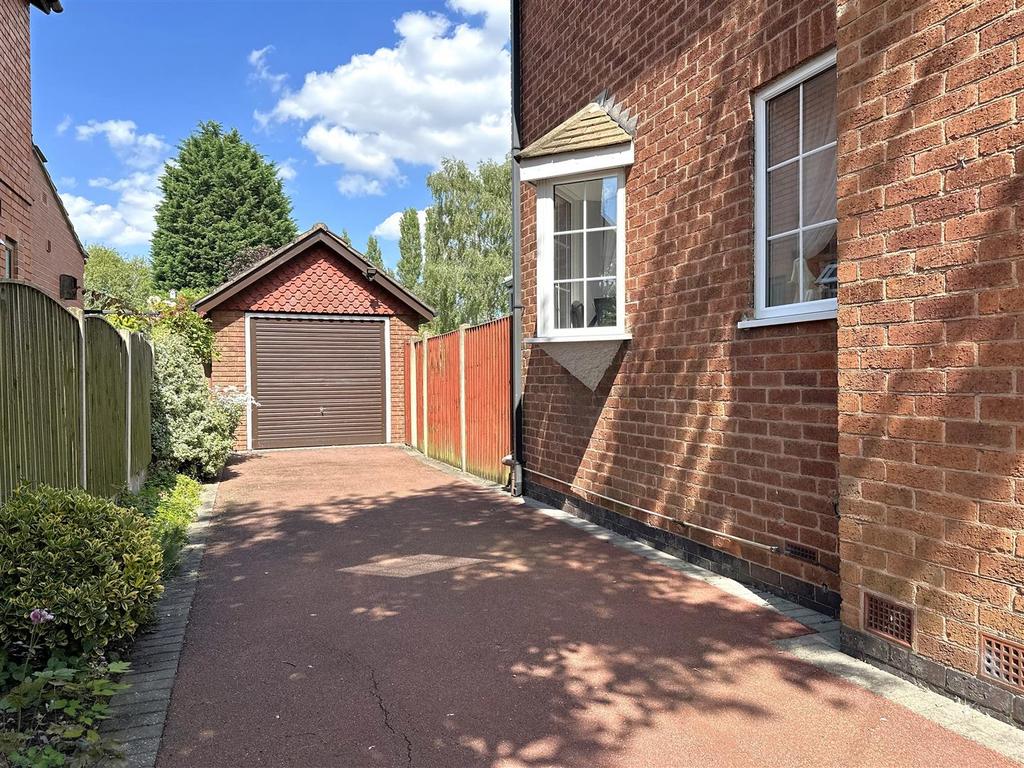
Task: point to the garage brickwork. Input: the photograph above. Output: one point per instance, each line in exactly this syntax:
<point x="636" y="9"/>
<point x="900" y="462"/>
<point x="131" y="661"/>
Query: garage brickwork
<point x="733" y="430"/>
<point x="316" y="282"/>
<point x="931" y="336"/>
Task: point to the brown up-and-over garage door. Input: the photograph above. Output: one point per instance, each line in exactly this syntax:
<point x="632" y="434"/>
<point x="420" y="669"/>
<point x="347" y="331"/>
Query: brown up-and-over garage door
<point x="317" y="382"/>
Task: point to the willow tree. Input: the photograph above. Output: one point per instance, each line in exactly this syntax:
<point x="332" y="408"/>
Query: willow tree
<point x="468" y="243"/>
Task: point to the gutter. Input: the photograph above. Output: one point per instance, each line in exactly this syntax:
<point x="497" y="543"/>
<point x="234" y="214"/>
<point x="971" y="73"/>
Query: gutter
<point x="516" y="336"/>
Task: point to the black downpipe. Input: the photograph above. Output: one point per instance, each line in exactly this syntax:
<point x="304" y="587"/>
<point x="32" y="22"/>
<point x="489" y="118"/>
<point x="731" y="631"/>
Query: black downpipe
<point x="516" y="335"/>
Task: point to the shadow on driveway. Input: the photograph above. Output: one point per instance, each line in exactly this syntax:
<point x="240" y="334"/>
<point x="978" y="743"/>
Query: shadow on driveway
<point x="554" y="649"/>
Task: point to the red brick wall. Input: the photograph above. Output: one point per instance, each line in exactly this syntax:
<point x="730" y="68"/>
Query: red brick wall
<point x="55" y="249"/>
<point x="734" y="430"/>
<point x="15" y="128"/>
<point x="314" y="282"/>
<point x="932" y="316"/>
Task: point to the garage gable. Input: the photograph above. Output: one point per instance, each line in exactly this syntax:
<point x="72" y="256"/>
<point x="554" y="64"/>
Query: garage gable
<point x="319" y="281"/>
<point x="316" y="273"/>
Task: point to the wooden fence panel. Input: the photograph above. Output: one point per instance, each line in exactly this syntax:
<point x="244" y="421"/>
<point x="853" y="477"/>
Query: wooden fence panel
<point x="40" y="390"/>
<point x="140" y="417"/>
<point x="462" y="407"/>
<point x="443" y="419"/>
<point x="106" y="407"/>
<point x="488" y="397"/>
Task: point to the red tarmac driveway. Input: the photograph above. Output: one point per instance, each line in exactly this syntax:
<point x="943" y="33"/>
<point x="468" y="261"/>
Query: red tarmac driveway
<point x="479" y="632"/>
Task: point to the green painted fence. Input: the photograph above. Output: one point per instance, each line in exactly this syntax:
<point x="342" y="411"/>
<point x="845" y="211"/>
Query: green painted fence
<point x="140" y="419"/>
<point x="106" y="408"/>
<point x="74" y="397"/>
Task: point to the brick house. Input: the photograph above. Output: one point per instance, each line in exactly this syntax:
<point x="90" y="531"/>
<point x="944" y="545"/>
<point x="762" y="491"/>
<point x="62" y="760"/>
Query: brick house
<point x="39" y="243"/>
<point x="772" y="285"/>
<point x="317" y="336"/>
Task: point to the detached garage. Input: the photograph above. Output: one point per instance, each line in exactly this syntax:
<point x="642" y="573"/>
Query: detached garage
<point x="316" y="335"/>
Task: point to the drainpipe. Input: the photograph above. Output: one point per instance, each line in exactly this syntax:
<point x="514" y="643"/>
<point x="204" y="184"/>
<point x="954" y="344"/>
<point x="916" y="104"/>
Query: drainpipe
<point x="516" y="335"/>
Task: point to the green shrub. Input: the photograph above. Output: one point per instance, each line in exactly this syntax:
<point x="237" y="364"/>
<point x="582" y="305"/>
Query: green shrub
<point x="170" y="502"/>
<point x="92" y="564"/>
<point x="193" y="429"/>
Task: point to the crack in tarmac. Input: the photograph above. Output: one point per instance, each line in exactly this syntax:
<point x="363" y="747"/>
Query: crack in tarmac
<point x="387" y="717"/>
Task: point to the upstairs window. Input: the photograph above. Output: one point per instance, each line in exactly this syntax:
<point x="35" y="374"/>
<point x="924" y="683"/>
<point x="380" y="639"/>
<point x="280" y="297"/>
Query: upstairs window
<point x="795" y="195"/>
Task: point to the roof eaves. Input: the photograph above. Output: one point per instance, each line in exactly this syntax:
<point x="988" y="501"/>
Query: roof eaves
<point x="46" y="6"/>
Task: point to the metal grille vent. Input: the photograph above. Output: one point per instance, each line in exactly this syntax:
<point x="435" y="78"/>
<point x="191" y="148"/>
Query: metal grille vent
<point x="801" y="552"/>
<point x="886" y="618"/>
<point x="1002" y="661"/>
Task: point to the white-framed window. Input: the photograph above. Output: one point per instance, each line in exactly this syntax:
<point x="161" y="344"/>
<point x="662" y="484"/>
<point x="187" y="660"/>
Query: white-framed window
<point x="795" y="255"/>
<point x="581" y="254"/>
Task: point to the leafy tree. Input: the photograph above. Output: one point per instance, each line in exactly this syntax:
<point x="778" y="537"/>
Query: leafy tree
<point x="373" y="254"/>
<point x="246" y="257"/>
<point x="345" y="237"/>
<point x="468" y="243"/>
<point x="110" y="278"/>
<point x="410" y="246"/>
<point x="220" y="196"/>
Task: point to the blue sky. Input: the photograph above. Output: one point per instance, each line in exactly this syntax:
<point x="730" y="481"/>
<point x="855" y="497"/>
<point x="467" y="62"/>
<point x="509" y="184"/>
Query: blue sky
<point x="356" y="100"/>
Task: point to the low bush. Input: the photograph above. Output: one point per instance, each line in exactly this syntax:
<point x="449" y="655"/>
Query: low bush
<point x="169" y="501"/>
<point x="50" y="714"/>
<point x="193" y="429"/>
<point x="92" y="564"/>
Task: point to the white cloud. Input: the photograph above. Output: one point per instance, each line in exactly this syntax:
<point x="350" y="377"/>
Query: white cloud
<point x="127" y="222"/>
<point x="357" y="185"/>
<point x="443" y="89"/>
<point x="67" y="182"/>
<point x="390" y="228"/>
<point x="261" y="71"/>
<point x="137" y="150"/>
<point x="63" y="125"/>
<point x="286" y="170"/>
<point x="126" y="217"/>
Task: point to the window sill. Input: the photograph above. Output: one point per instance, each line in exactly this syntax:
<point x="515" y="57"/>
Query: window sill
<point x="805" y="317"/>
<point x="579" y="337"/>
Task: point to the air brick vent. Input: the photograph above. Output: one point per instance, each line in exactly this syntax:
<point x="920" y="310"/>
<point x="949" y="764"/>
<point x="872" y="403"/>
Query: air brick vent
<point x="888" y="619"/>
<point x="801" y="552"/>
<point x="1002" y="661"/>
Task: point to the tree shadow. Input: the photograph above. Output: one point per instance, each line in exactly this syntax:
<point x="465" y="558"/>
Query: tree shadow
<point x="553" y="649"/>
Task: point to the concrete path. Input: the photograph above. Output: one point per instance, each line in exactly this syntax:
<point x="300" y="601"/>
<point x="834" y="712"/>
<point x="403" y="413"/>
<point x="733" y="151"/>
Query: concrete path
<point x="359" y="608"/>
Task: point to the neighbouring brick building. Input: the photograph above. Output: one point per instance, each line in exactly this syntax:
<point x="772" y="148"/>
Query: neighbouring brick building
<point x="317" y="336"/>
<point x="773" y="282"/>
<point x="39" y="243"/>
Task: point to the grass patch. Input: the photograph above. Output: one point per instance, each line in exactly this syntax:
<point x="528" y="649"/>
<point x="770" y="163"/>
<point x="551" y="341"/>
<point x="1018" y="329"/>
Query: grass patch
<point x="170" y="501"/>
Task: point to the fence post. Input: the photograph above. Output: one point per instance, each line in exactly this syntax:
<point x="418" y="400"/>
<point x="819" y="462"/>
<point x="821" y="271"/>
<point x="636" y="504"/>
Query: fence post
<point x="80" y="317"/>
<point x="412" y="404"/>
<point x="426" y="404"/>
<point x="126" y="337"/>
<point x="462" y="396"/>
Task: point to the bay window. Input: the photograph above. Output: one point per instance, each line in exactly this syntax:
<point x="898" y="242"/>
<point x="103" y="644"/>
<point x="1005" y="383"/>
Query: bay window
<point x="581" y="255"/>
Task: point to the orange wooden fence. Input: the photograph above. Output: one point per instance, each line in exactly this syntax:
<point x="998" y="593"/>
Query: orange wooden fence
<point x="457" y="398"/>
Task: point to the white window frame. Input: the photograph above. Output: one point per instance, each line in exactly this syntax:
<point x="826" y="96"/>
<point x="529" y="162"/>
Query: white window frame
<point x="546" y="330"/>
<point x="820" y="309"/>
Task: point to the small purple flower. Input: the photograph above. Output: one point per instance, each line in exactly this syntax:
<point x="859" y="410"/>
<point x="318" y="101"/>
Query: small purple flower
<point x="41" y="616"/>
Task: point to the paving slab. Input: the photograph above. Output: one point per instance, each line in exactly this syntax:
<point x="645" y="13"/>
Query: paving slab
<point x="359" y="608"/>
